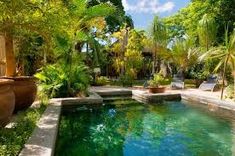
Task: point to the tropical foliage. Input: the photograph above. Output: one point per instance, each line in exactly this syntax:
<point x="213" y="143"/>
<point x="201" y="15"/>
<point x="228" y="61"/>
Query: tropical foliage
<point x="128" y="53"/>
<point x="66" y="40"/>
<point x="158" y="40"/>
<point x="226" y="55"/>
<point x="56" y="81"/>
<point x="184" y="55"/>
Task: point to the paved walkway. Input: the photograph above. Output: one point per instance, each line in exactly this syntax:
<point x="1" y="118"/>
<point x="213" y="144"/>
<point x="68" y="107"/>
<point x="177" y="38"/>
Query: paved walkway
<point x="215" y="95"/>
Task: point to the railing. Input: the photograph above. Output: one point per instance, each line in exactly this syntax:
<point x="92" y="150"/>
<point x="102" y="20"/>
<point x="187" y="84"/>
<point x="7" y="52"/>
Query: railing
<point x="2" y="56"/>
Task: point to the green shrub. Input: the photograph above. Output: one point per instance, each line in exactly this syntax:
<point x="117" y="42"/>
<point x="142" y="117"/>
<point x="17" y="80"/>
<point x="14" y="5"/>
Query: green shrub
<point x="102" y="81"/>
<point x="13" y="139"/>
<point x="57" y="81"/>
<point x="126" y="80"/>
<point x="230" y="91"/>
<point x="199" y="75"/>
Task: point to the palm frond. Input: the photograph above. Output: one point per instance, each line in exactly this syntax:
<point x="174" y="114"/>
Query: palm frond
<point x="219" y="65"/>
<point x="101" y="10"/>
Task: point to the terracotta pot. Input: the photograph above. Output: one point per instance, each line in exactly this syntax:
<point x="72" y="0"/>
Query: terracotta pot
<point x="25" y="90"/>
<point x="156" y="90"/>
<point x="7" y="101"/>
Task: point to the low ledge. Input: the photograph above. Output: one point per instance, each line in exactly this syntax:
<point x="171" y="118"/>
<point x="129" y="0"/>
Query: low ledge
<point x="211" y="102"/>
<point x="93" y="98"/>
<point x="154" y="98"/>
<point x="43" y="139"/>
<point x="104" y="92"/>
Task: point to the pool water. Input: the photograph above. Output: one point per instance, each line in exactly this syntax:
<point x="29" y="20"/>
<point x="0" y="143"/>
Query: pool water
<point x="130" y="128"/>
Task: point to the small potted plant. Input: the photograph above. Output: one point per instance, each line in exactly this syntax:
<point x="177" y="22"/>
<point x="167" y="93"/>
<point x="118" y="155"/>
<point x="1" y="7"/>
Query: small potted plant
<point x="155" y="84"/>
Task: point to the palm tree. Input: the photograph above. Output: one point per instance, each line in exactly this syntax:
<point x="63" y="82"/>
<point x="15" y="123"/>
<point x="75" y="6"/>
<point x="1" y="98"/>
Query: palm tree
<point x="158" y="39"/>
<point x="207" y="31"/>
<point x="226" y="55"/>
<point x="119" y="47"/>
<point x="183" y="53"/>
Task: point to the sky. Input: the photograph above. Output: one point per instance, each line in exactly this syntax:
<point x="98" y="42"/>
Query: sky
<point x="143" y="11"/>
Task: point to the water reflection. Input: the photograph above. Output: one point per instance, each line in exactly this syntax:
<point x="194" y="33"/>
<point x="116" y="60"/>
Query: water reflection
<point x="132" y="129"/>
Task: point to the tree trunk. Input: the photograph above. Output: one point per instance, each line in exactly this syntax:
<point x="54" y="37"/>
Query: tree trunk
<point x="223" y="84"/>
<point x="154" y="59"/>
<point x="124" y="46"/>
<point x="10" y="57"/>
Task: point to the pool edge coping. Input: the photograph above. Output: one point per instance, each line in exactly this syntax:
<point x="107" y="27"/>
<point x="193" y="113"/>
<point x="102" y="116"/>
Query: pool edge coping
<point x="44" y="145"/>
<point x="42" y="141"/>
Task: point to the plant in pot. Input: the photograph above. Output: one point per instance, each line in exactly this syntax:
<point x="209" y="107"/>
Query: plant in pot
<point x="155" y="85"/>
<point x="16" y="19"/>
<point x="24" y="87"/>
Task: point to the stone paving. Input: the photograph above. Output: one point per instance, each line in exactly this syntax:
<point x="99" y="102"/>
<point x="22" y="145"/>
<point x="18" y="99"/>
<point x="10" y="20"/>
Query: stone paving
<point x="205" y="97"/>
<point x="106" y="89"/>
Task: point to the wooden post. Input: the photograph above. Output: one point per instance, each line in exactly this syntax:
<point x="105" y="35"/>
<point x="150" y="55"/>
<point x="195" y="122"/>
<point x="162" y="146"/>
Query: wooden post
<point x="10" y="57"/>
<point x="2" y="56"/>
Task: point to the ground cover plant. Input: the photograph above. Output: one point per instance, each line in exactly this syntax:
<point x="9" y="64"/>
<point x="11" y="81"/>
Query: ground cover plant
<point x="13" y="139"/>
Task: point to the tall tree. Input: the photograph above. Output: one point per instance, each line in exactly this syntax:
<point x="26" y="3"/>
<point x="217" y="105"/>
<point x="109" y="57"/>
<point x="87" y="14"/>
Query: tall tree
<point x="114" y="22"/>
<point x="17" y="17"/>
<point x="223" y="11"/>
<point x="158" y="39"/>
<point x="49" y="19"/>
<point x="207" y="31"/>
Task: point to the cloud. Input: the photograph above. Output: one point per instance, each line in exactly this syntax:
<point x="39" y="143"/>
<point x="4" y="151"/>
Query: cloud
<point x="148" y="6"/>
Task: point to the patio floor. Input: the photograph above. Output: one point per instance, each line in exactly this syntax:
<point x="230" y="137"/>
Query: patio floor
<point x="215" y="95"/>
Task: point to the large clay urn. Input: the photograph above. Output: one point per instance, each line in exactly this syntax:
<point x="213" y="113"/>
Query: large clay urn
<point x="25" y="90"/>
<point x="7" y="101"/>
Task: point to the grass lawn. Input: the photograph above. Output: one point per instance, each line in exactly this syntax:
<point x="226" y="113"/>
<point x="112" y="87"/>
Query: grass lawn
<point x="13" y="139"/>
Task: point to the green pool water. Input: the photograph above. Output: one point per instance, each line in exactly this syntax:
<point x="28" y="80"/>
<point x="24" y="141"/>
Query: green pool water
<point x="130" y="128"/>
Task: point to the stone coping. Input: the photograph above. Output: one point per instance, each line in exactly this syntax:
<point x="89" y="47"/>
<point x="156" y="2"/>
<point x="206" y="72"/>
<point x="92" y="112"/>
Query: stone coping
<point x="112" y="91"/>
<point x="209" y="101"/>
<point x="93" y="98"/>
<point x="146" y="97"/>
<point x="43" y="140"/>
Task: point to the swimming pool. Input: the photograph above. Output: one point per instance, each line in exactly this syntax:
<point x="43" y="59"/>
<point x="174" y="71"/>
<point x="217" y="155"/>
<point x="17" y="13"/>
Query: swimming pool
<point x="130" y="128"/>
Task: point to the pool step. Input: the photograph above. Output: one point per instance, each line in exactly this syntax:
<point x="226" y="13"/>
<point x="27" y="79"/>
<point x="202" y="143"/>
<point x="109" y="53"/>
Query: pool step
<point x="117" y="98"/>
<point x="155" y="98"/>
